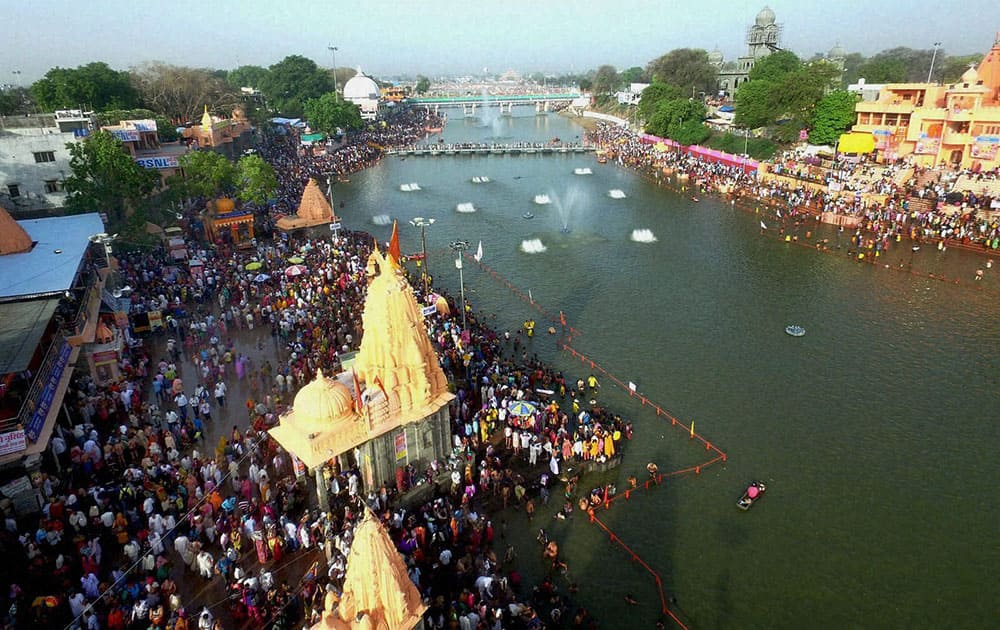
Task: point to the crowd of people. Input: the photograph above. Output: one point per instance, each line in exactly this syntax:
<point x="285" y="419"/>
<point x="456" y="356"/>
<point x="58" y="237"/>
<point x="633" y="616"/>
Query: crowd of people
<point x="168" y="506"/>
<point x="882" y="207"/>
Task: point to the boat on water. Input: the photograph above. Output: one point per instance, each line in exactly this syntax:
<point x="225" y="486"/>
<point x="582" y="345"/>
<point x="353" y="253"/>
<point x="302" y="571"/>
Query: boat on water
<point x="751" y="495"/>
<point x="695" y="199"/>
<point x="795" y="331"/>
<point x="602" y="160"/>
<point x="528" y="215"/>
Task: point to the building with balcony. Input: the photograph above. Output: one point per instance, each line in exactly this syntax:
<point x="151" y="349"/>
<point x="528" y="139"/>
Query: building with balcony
<point x="226" y="135"/>
<point x="51" y="278"/>
<point x="34" y="160"/>
<point x="957" y="124"/>
<point x="141" y="140"/>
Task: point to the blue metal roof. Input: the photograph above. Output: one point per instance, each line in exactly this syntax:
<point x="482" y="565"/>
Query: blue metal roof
<point x="43" y="271"/>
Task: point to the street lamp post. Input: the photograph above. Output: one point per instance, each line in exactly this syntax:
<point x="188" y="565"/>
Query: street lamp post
<point x="423" y="223"/>
<point x="17" y="77"/>
<point x="933" y="58"/>
<point x="333" y="51"/>
<point x="458" y="247"/>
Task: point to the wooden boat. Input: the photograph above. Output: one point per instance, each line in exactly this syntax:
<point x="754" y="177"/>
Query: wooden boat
<point x="757" y="489"/>
<point x="795" y="331"/>
<point x="602" y="160"/>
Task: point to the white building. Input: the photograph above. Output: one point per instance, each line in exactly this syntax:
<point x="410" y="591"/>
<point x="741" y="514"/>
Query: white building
<point x="363" y="92"/>
<point x="34" y="160"/>
<point x="867" y="91"/>
<point x="632" y="95"/>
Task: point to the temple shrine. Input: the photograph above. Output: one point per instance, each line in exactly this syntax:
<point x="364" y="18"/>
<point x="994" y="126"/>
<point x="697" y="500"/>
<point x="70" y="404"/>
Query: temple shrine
<point x="391" y="409"/>
<point x="314" y="209"/>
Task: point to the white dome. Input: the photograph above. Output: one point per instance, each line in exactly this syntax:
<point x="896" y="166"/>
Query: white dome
<point x="765" y="17"/>
<point x="715" y="56"/>
<point x="360" y="87"/>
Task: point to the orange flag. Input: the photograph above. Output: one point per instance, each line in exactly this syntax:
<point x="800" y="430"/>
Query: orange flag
<point x="378" y="381"/>
<point x="394" y="252"/>
<point x="357" y="390"/>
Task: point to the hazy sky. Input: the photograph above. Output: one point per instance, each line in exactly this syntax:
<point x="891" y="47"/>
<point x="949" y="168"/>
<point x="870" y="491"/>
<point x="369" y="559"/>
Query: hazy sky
<point x="438" y="36"/>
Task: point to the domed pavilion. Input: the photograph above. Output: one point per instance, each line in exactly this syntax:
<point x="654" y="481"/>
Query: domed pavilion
<point x="365" y="93"/>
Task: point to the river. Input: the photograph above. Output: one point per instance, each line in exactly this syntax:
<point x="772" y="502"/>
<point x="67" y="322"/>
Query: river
<point x="876" y="431"/>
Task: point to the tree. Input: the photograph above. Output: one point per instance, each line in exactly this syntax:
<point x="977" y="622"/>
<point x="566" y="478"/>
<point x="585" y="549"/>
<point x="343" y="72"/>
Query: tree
<point x="15" y="101"/>
<point x="584" y="84"/>
<point x="775" y="66"/>
<point x="94" y="85"/>
<point x="605" y="81"/>
<point x="343" y="75"/>
<point x="105" y="177"/>
<point x="329" y="112"/>
<point x="246" y="76"/>
<point x="852" y="62"/>
<point x="687" y="68"/>
<point x="635" y="74"/>
<point x="653" y="95"/>
<point x="952" y="68"/>
<point x="423" y="84"/>
<point x="181" y="93"/>
<point x="206" y="174"/>
<point x="883" y="70"/>
<point x="833" y="116"/>
<point x="291" y="82"/>
<point x="753" y="104"/>
<point x="256" y="181"/>
<point x="679" y="119"/>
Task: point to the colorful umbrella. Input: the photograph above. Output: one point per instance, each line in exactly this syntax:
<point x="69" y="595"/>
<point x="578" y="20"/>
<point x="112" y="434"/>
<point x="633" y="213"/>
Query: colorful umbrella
<point x="254" y="266"/>
<point x="261" y="277"/>
<point x="521" y="408"/>
<point x="296" y="270"/>
<point x="296" y="260"/>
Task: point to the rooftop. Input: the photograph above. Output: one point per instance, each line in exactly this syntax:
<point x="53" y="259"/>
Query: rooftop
<point x="52" y="264"/>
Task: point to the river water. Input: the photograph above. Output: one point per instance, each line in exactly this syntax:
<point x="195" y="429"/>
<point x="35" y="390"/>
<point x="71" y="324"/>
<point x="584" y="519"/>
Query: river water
<point x="876" y="432"/>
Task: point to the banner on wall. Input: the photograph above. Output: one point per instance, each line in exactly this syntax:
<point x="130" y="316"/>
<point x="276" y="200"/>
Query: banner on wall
<point x="400" y="446"/>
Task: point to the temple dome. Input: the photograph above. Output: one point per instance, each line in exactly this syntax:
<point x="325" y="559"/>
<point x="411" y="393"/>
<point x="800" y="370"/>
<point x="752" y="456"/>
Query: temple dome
<point x="970" y="75"/>
<point x="360" y="87"/>
<point x="836" y="52"/>
<point x="321" y="404"/>
<point x="765" y="17"/>
<point x="715" y="56"/>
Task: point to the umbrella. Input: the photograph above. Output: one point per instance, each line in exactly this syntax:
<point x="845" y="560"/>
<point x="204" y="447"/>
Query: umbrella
<point x="261" y="277"/>
<point x="296" y="260"/>
<point x="521" y="408"/>
<point x="254" y="266"/>
<point x="296" y="270"/>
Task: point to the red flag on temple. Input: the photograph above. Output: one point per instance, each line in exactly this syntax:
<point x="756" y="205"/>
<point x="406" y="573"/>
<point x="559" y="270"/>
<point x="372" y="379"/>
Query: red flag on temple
<point x="394" y="245"/>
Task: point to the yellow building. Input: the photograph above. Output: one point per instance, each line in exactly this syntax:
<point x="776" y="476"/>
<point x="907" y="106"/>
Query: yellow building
<point x="956" y="124"/>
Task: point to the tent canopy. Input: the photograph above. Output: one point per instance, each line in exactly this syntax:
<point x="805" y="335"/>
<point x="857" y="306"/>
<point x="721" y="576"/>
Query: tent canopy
<point x="855" y="142"/>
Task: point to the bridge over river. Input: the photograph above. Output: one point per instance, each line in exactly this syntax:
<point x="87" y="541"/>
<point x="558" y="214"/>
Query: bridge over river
<point x="491" y="149"/>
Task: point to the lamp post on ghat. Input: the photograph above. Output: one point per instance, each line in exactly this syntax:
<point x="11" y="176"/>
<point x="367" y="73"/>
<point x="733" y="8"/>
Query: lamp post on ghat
<point x="423" y="223"/>
<point x="458" y="247"/>
<point x="333" y="52"/>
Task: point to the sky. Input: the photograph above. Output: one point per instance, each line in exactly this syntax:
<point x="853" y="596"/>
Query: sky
<point x="438" y="37"/>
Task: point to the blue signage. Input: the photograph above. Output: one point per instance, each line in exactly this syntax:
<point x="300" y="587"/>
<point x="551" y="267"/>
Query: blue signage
<point x="48" y="393"/>
<point x="157" y="162"/>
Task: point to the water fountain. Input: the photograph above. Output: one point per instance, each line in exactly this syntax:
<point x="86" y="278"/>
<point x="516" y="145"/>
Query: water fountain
<point x="533" y="246"/>
<point x="570" y="201"/>
<point x="543" y="200"/>
<point x="465" y="208"/>
<point x="616" y="193"/>
<point x="643" y="235"/>
<point x="409" y="187"/>
<point x="480" y="179"/>
<point x="381" y="219"/>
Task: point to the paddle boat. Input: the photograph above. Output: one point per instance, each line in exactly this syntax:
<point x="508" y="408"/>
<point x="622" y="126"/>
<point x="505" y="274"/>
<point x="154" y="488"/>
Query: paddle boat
<point x="795" y="331"/>
<point x="528" y="215"/>
<point x="751" y="495"/>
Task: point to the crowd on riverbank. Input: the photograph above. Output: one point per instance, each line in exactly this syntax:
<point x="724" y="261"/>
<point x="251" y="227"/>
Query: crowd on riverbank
<point x="171" y="508"/>
<point x="883" y="214"/>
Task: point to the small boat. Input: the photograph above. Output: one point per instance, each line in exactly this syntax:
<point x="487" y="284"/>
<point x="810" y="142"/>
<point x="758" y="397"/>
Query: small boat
<point x="602" y="160"/>
<point x="695" y="199"/>
<point x="527" y="215"/>
<point x="795" y="331"/>
<point x="751" y="495"/>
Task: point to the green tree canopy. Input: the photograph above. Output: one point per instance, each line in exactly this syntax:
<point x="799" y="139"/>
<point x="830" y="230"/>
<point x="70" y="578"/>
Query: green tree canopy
<point x="883" y="70"/>
<point x="246" y="76"/>
<point x="423" y="84"/>
<point x="206" y="174"/>
<point x="833" y="116"/>
<point x="105" y="178"/>
<point x="953" y="67"/>
<point x="256" y="180"/>
<point x="94" y="85"/>
<point x="635" y="74"/>
<point x="606" y="81"/>
<point x="15" y="101"/>
<point x="687" y="68"/>
<point x="584" y="84"/>
<point x="775" y="66"/>
<point x="329" y="112"/>
<point x="293" y="81"/>
<point x="901" y="64"/>
<point x="680" y="119"/>
<point x="653" y="95"/>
